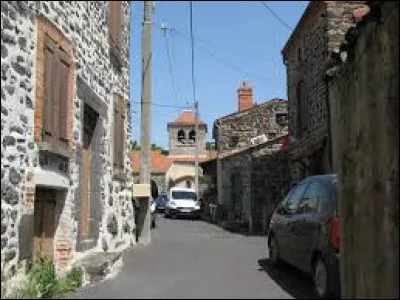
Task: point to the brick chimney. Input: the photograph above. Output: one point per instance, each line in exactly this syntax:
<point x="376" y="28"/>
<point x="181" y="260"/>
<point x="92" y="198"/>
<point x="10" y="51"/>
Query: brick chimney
<point x="245" y="96"/>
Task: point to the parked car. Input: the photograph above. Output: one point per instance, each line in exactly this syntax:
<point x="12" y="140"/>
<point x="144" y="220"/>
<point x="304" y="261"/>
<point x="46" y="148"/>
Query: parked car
<point x="182" y="202"/>
<point x="161" y="203"/>
<point x="304" y="232"/>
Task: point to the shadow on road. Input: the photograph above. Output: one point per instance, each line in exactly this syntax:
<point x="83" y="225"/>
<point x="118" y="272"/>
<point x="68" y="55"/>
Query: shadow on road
<point x="293" y="281"/>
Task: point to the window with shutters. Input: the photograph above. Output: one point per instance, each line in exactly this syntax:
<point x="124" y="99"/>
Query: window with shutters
<point x="56" y="68"/>
<point x="119" y="135"/>
<point x="302" y="108"/>
<point x="116" y="22"/>
<point x="54" y="89"/>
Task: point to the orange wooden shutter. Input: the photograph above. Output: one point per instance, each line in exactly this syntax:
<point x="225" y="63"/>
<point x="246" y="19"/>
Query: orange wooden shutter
<point x="63" y="100"/>
<point x="115" y="135"/>
<point x="49" y="69"/>
<point x="122" y="138"/>
<point x="115" y="22"/>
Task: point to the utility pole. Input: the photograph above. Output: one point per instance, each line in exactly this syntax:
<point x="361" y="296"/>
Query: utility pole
<point x="144" y="176"/>
<point x="197" y="136"/>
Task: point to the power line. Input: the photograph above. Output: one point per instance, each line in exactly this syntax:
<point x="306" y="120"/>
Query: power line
<point x="276" y="16"/>
<point x="210" y="53"/>
<point x="171" y="74"/>
<point x="192" y="48"/>
<point x="162" y="105"/>
<point x="220" y="60"/>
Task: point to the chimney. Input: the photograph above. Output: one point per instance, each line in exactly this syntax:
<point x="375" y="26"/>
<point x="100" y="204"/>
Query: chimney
<point x="245" y="96"/>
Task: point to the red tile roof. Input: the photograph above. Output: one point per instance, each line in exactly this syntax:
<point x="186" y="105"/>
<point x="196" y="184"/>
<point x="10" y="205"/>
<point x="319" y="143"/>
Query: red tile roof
<point x="159" y="163"/>
<point x="187" y="117"/>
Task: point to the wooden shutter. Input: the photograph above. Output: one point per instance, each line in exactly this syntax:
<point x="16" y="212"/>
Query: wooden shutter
<point x="115" y="22"/>
<point x="56" y="80"/>
<point x="122" y="137"/>
<point x="49" y="81"/>
<point x="63" y="68"/>
<point x="115" y="135"/>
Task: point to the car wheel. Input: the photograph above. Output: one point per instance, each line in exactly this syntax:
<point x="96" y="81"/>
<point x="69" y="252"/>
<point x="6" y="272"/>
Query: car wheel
<point x="273" y="250"/>
<point x="321" y="278"/>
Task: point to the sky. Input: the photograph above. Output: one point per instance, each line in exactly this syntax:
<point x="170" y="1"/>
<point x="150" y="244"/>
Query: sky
<point x="235" y="41"/>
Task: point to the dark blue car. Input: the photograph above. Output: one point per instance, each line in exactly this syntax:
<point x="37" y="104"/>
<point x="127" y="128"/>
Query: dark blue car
<point x="161" y="203"/>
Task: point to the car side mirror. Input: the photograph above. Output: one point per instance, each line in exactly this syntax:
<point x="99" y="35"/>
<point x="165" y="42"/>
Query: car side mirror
<point x="281" y="209"/>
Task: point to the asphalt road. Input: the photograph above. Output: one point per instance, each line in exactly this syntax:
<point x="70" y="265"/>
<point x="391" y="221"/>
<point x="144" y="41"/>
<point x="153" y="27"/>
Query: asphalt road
<point x="193" y="259"/>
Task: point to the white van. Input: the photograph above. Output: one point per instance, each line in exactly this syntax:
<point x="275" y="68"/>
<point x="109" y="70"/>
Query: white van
<point x="182" y="202"/>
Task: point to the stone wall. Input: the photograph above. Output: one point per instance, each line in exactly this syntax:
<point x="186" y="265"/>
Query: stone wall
<point x="235" y="194"/>
<point x="84" y="25"/>
<point x="252" y="181"/>
<point x="306" y="57"/>
<point x="364" y="95"/>
<point x="236" y="130"/>
<point x="270" y="180"/>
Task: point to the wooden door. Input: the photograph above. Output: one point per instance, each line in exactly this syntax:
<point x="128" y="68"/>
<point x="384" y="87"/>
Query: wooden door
<point x="44" y="223"/>
<point x="236" y="194"/>
<point x="85" y="195"/>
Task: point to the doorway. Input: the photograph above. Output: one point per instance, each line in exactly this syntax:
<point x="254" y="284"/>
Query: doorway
<point x="44" y="223"/>
<point x="89" y="124"/>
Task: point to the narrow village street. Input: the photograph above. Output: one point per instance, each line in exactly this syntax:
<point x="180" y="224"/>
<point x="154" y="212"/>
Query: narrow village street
<point x="273" y="124"/>
<point x="193" y="259"/>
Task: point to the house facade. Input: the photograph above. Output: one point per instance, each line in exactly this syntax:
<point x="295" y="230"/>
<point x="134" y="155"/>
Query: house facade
<point x="306" y="55"/>
<point x="65" y="168"/>
<point x="241" y="138"/>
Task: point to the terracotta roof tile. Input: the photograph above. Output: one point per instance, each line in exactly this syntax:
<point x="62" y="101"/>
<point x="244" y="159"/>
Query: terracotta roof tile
<point x="187" y="117"/>
<point x="159" y="163"/>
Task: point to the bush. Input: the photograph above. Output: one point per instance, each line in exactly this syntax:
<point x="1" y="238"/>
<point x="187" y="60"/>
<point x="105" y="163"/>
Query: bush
<point x="70" y="283"/>
<point x="42" y="282"/>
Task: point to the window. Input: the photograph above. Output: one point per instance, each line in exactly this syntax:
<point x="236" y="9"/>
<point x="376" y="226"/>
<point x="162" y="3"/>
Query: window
<point x="119" y="133"/>
<point x="188" y="184"/>
<point x="192" y="136"/>
<point x="115" y="23"/>
<point x="299" y="55"/>
<point x="281" y="118"/>
<point x="291" y="205"/>
<point x="233" y="141"/>
<point x="271" y="135"/>
<point x="181" y="136"/>
<point x="56" y="69"/>
<point x="183" y="195"/>
<point x="302" y="108"/>
<point x="315" y="199"/>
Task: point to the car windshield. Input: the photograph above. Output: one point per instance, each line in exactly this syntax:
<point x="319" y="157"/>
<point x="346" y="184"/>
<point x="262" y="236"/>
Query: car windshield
<point x="183" y="195"/>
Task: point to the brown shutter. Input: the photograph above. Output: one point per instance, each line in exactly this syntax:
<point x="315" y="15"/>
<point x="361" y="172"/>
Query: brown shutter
<point x="63" y="100"/>
<point x="115" y="22"/>
<point x="49" y="68"/>
<point x="56" y="78"/>
<point x="115" y="135"/>
<point x="122" y="138"/>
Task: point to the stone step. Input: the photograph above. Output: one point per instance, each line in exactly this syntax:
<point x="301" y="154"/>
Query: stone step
<point x="100" y="265"/>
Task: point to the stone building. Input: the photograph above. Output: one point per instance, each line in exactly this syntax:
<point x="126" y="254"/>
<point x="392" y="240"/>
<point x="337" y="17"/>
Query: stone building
<point x="65" y="168"/>
<point x="236" y="130"/>
<point x="242" y="137"/>
<point x="306" y="55"/>
<point x="178" y="167"/>
<point x="364" y="98"/>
